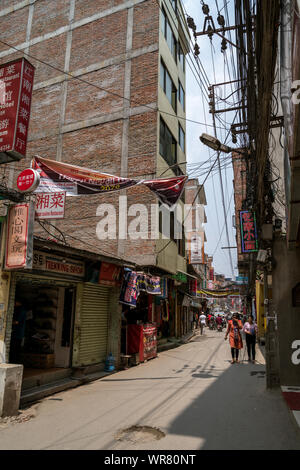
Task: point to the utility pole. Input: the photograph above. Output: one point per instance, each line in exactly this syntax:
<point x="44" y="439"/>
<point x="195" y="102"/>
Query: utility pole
<point x="221" y="182"/>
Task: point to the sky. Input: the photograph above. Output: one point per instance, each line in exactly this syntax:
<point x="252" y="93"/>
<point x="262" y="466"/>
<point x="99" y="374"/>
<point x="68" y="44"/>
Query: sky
<point x="217" y="67"/>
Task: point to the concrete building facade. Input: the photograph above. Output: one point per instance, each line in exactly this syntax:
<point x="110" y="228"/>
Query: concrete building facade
<point x="101" y="101"/>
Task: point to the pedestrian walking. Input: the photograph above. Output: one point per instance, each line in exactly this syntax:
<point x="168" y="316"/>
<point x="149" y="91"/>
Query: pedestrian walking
<point x="202" y="320"/>
<point x="250" y="329"/>
<point x="235" y="338"/>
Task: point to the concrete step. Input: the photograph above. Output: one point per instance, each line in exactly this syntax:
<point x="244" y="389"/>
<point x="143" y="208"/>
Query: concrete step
<point x="44" y="378"/>
<point x="167" y="346"/>
<point x="162" y="341"/>
<point x="36" y="393"/>
<point x="79" y="372"/>
<point x="95" y="376"/>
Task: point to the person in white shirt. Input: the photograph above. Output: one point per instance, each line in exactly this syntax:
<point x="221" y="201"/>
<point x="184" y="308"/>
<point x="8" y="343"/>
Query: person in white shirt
<point x="202" y="320"/>
<point x="250" y="329"/>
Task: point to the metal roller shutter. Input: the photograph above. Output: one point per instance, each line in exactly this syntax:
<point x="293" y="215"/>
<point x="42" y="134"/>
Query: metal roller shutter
<point x="94" y="324"/>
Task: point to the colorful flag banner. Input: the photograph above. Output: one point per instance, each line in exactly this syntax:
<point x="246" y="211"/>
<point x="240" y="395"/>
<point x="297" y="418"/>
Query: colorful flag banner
<point x="211" y="293"/>
<point x="76" y="181"/>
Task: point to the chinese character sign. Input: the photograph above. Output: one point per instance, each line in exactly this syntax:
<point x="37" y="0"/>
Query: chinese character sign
<point x="19" y="239"/>
<point x="248" y="231"/>
<point x="195" y="248"/>
<point x="50" y="205"/>
<point x="16" y="83"/>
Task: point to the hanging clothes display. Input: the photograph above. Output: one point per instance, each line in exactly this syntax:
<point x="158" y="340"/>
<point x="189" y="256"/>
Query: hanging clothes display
<point x="129" y="289"/>
<point x="153" y="285"/>
<point x="136" y="282"/>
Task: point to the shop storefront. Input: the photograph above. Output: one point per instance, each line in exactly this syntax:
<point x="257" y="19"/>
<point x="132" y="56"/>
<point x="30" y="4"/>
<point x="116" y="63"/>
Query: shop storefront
<point x="139" y="320"/>
<point x="61" y="313"/>
<point x="41" y="313"/>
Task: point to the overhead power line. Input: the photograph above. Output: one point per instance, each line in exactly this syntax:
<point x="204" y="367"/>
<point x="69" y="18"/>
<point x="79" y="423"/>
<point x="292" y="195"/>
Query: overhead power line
<point x="71" y="76"/>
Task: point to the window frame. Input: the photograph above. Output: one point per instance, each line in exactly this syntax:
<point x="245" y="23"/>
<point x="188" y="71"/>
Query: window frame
<point x="180" y="128"/>
<point x="174" y="5"/>
<point x="162" y="145"/>
<point x="163" y="80"/>
<point x="180" y="53"/>
<point x="180" y="87"/>
<point x="173" y="47"/>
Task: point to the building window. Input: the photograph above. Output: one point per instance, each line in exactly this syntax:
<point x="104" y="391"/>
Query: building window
<point x="181" y="138"/>
<point x="163" y="20"/>
<point x="181" y="96"/>
<point x="168" y="86"/>
<point x="167" y="144"/>
<point x="174" y="5"/>
<point x="181" y="57"/>
<point x="181" y="244"/>
<point x="168" y="34"/>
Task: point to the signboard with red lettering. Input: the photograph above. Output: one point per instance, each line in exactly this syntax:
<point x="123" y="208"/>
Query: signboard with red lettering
<point x="16" y="83"/>
<point x="58" y="265"/>
<point x="248" y="232"/>
<point x="28" y="180"/>
<point x="109" y="274"/>
<point x="196" y="248"/>
<point x="50" y="205"/>
<point x="19" y="239"/>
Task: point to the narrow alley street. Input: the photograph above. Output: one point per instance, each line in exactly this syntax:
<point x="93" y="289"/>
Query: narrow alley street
<point x="189" y="398"/>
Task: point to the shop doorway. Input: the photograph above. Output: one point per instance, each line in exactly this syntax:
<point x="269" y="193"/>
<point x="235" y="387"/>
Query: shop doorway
<point x="64" y="328"/>
<point x="42" y="330"/>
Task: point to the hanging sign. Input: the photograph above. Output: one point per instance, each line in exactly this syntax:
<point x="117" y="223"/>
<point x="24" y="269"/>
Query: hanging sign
<point x="241" y="280"/>
<point x="19" y="237"/>
<point x="109" y="274"/>
<point x="248" y="232"/>
<point x="77" y="181"/>
<point x="50" y="205"/>
<point x="196" y="250"/>
<point x="57" y="264"/>
<point x="16" y="83"/>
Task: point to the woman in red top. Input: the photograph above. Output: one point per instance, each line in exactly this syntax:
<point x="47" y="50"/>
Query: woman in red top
<point x="235" y="339"/>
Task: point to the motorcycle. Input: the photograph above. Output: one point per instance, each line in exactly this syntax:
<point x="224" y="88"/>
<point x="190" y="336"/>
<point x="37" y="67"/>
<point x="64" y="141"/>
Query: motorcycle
<point x="220" y="327"/>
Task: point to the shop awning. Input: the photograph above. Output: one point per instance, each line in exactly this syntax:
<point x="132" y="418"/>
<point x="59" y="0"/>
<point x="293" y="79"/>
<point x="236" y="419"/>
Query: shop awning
<point x="187" y="274"/>
<point x="195" y="304"/>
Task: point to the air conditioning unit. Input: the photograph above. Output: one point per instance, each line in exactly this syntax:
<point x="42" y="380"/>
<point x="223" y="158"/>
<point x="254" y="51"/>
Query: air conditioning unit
<point x="262" y="256"/>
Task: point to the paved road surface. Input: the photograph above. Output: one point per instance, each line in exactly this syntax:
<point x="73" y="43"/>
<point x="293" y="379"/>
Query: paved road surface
<point x="192" y="394"/>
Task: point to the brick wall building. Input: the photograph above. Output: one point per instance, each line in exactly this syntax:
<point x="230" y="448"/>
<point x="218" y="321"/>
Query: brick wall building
<point x="239" y="184"/>
<point x="97" y="101"/>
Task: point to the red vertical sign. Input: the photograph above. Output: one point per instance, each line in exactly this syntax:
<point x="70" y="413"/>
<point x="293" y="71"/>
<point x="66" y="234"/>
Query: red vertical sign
<point x="19" y="239"/>
<point x="16" y="83"/>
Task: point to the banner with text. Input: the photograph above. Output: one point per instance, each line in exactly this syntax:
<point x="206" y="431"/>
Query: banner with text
<point x="76" y="181"/>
